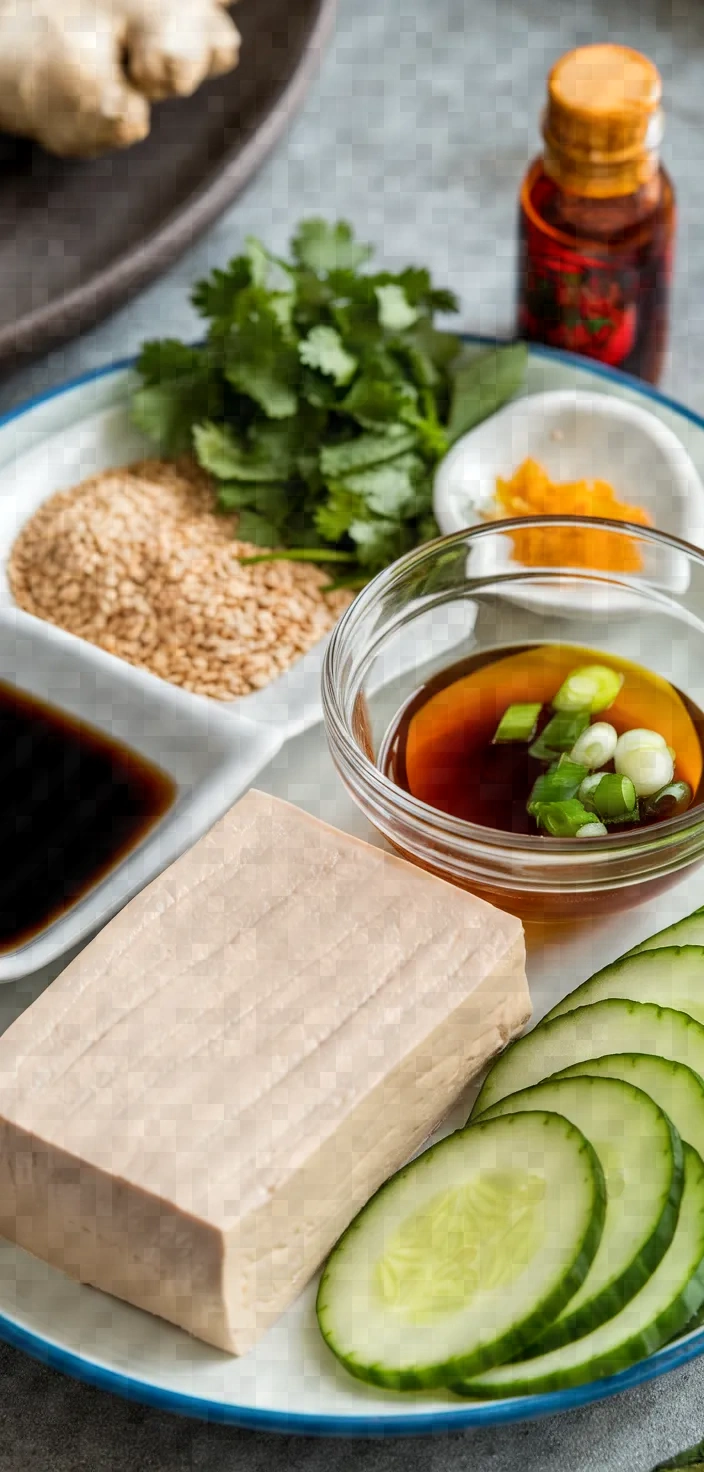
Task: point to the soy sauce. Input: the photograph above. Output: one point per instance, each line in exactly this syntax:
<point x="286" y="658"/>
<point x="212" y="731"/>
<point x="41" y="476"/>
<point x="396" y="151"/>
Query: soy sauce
<point x="441" y="750"/>
<point x="73" y="803"/>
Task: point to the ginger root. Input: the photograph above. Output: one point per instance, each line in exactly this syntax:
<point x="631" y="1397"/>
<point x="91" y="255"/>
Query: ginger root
<point x="78" y="75"/>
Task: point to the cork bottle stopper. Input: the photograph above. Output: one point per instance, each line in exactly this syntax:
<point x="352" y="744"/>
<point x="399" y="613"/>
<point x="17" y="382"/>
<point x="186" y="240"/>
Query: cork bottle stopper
<point x="603" y="124"/>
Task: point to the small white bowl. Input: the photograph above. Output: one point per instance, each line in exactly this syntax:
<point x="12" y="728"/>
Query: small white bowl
<point x="577" y="435"/>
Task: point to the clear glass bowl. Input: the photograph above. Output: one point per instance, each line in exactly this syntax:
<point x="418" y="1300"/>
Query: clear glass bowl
<point x="463" y="595"/>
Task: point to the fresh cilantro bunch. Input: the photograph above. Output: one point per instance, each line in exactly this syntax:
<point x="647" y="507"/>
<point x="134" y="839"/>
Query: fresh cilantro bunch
<point x="693" y="1459"/>
<point x="322" y="398"/>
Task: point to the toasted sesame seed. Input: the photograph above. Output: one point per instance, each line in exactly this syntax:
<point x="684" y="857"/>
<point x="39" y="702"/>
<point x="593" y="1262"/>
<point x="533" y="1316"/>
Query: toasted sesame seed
<point x="136" y="561"/>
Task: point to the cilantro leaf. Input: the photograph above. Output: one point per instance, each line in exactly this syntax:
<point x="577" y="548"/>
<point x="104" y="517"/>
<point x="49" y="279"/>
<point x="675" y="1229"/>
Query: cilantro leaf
<point x="323" y="349"/>
<point x="379" y="542"/>
<point x="390" y="489"/>
<point x="429" y="433"/>
<point x="318" y="391"/>
<point x="313" y="298"/>
<point x="419" y="289"/>
<point x="252" y="527"/>
<point x="179" y="388"/>
<point x="282" y="305"/>
<point x="160" y="414"/>
<point x="693" y="1458"/>
<point x="440" y="300"/>
<point x="375" y="402"/>
<point x="259" y="261"/>
<point x="429" y="353"/>
<point x="395" y="310"/>
<point x="348" y="286"/>
<point x="365" y="450"/>
<point x="323" y="247"/>
<point x="270" y="501"/>
<point x="220" y="452"/>
<point x="281" y="442"/>
<point x="260" y="360"/>
<point x="266" y="385"/>
<point x="168" y="359"/>
<point x="482" y="382"/>
<point x="216" y="296"/>
<point x="335" y="516"/>
<point x="272" y="450"/>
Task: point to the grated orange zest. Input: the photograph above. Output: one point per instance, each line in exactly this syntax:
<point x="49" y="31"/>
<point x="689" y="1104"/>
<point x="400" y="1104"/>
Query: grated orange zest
<point x="530" y="492"/>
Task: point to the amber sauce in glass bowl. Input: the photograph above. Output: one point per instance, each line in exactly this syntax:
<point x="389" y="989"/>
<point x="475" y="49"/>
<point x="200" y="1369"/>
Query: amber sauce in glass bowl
<point x="428" y="659"/>
<point x="440" y="747"/>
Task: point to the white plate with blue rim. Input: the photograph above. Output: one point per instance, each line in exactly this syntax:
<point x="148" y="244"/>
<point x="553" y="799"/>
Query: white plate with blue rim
<point x="290" y="1382"/>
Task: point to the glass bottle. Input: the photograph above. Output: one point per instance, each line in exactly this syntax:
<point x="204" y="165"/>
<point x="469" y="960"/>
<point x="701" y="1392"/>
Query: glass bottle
<point x="597" y="215"/>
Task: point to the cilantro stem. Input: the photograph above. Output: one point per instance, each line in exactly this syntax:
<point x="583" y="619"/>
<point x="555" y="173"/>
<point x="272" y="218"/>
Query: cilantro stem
<point x="300" y="554"/>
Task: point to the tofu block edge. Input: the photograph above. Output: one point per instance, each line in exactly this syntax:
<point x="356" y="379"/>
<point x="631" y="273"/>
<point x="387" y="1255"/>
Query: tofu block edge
<point x="223" y="1257"/>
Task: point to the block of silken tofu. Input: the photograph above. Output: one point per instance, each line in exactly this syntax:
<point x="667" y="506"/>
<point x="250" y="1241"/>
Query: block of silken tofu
<point x="196" y="1108"/>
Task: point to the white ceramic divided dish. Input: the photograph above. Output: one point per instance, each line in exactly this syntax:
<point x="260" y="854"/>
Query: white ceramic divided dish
<point x="213" y="750"/>
<point x="210" y="751"/>
<point x="211" y="754"/>
<point x="576" y="434"/>
<point x="94" y="443"/>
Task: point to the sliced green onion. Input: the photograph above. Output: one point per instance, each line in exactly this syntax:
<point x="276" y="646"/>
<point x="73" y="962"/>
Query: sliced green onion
<point x="614" y="798"/>
<point x="640" y="738"/>
<point x="596" y="745"/>
<point x="560" y="782"/>
<point x="669" y="802"/>
<point x="589" y="786"/>
<point x="644" y="756"/>
<point x="560" y="734"/>
<point x="593" y="830"/>
<point x="562" y="819"/>
<point x="518" y="723"/>
<point x="591" y="687"/>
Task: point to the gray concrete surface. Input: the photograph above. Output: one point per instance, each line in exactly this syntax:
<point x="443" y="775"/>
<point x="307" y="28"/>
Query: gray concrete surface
<point x="418" y="130"/>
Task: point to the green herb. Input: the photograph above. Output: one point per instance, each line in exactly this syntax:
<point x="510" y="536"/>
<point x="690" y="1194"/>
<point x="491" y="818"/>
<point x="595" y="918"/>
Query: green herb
<point x="560" y="734"/>
<point x="482" y="384"/>
<point x="562" y="819"/>
<point x="613" y="798"/>
<point x="695" y="1464"/>
<point x="323" y="397"/>
<point x="669" y="802"/>
<point x="518" y="723"/>
<point x="562" y="781"/>
<point x="301" y="554"/>
<point x="694" y="1459"/>
<point x="593" y="687"/>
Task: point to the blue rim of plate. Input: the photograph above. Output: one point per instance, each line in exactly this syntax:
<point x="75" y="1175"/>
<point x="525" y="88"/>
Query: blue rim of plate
<point x="487" y="1413"/>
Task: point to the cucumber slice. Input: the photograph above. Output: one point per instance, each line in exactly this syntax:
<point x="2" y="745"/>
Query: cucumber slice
<point x="613" y="1026"/>
<point x="659" y="1312"/>
<point x="687" y="932"/>
<point x="641" y="1157"/>
<point x="466" y="1254"/>
<point x="677" y="1089"/>
<point x="672" y="977"/>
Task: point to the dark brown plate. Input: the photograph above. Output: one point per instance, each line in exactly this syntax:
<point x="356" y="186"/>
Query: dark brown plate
<point x="77" y="238"/>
